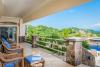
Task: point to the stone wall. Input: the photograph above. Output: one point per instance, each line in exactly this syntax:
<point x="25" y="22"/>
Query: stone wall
<point x="88" y="58"/>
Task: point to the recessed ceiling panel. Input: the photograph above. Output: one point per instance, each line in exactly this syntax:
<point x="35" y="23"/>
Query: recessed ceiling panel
<point x="33" y="9"/>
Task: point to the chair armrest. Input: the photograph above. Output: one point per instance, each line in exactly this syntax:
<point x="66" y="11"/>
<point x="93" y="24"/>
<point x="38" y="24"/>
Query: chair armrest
<point x="19" y="51"/>
<point x="11" y="60"/>
<point x="10" y="57"/>
<point x="16" y="46"/>
<point x="15" y="49"/>
<point x="13" y="46"/>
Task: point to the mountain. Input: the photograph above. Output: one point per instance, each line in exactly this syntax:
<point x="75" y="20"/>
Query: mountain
<point x="97" y="29"/>
<point x="45" y="31"/>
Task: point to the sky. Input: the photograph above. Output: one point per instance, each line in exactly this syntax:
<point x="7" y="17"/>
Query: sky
<point x="83" y="16"/>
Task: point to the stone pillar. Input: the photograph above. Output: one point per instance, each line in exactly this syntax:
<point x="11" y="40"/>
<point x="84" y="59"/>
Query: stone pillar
<point x="34" y="41"/>
<point x="74" y="51"/>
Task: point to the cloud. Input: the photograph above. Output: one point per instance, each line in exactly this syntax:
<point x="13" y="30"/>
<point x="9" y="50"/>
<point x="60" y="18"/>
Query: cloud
<point x="95" y="25"/>
<point x="86" y="26"/>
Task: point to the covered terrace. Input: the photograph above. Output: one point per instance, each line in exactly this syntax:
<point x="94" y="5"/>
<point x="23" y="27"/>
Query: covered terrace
<point x="15" y="13"/>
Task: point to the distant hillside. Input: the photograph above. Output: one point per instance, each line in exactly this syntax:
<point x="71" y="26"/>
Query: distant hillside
<point x="44" y="31"/>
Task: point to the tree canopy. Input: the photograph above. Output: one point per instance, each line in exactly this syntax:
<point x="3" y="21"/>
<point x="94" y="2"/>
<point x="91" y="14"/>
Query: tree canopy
<point x="49" y="32"/>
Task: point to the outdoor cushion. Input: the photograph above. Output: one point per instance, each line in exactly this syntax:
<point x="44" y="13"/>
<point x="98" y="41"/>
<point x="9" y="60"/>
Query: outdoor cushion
<point x="7" y="44"/>
<point x="11" y="64"/>
<point x="32" y="58"/>
<point x="3" y="39"/>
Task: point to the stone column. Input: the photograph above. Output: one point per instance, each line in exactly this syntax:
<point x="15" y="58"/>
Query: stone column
<point x="34" y="41"/>
<point x="74" y="51"/>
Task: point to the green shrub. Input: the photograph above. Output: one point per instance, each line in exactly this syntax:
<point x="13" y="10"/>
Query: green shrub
<point x="55" y="46"/>
<point x="64" y="49"/>
<point x="42" y="43"/>
<point x="85" y="44"/>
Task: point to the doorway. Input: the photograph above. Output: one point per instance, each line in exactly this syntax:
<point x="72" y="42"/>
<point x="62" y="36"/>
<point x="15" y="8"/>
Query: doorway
<point x="8" y="32"/>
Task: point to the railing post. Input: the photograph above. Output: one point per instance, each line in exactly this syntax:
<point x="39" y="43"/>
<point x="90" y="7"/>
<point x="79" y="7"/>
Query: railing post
<point x="34" y="41"/>
<point x="73" y="51"/>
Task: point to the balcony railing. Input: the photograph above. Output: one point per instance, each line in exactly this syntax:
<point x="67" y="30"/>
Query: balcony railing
<point x="54" y="45"/>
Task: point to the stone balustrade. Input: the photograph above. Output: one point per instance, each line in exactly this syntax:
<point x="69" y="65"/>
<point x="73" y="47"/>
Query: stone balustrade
<point x="76" y="54"/>
<point x="88" y="58"/>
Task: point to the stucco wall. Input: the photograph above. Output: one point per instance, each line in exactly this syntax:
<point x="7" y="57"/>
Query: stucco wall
<point x="22" y="28"/>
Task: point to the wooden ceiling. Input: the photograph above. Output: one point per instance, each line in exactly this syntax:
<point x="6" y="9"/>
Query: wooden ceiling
<point x="33" y="9"/>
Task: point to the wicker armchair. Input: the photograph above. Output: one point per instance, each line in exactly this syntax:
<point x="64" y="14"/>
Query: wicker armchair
<point x="11" y="60"/>
<point x="8" y="48"/>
